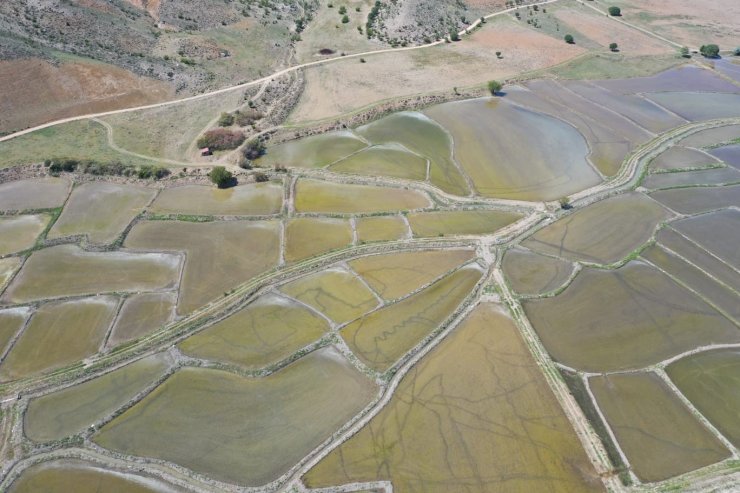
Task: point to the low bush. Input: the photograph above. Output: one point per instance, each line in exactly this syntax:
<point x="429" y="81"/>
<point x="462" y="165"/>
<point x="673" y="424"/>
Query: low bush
<point x="221" y="177"/>
<point x="254" y="149"/>
<point x="220" y="139"/>
<point x="709" y="51"/>
<point x="615" y="11"/>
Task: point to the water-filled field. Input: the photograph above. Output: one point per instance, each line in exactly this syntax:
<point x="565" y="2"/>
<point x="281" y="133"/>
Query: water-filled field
<point x="264" y="332"/>
<point x="729" y="154"/>
<point x="244" y="200"/>
<point x="699" y="199"/>
<point x="711" y="380"/>
<point x="71" y="410"/>
<point x="11" y="321"/>
<point x="313" y="152"/>
<point x="59" y="334"/>
<point x="63" y="476"/>
<point x="67" y="270"/>
<point x="382" y="337"/>
<point x="8" y="266"/>
<point x="717" y="232"/>
<point x="308" y="236"/>
<point x="196" y="418"/>
<point x="318" y="196"/>
<point x="398" y="274"/>
<point x="337" y="293"/>
<point x="683" y="78"/>
<point x="219" y="255"/>
<point x="19" y="233"/>
<point x="381" y="228"/>
<point x="679" y="157"/>
<point x="38" y="193"/>
<point x="441" y="223"/>
<point x="712" y="136"/>
<point x="535" y="157"/>
<point x="474" y="415"/>
<point x="141" y="314"/>
<point x="384" y="160"/>
<point x="719" y="176"/>
<point x="628" y="318"/>
<point x="601" y="233"/>
<point x="101" y="210"/>
<point x="532" y="273"/>
<point x="696" y="106"/>
<point x="658" y="434"/>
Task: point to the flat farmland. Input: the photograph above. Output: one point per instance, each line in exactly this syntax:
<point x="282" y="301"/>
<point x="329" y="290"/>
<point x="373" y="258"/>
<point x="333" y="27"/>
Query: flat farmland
<point x="602" y="233"/>
<point x="710" y="381"/>
<point x="398" y="274"/>
<point x="302" y="241"/>
<point x="532" y="273"/>
<point x="67" y="270"/>
<point x="699" y="199"/>
<point x="11" y="321"/>
<point x="381" y="228"/>
<point x="101" y="211"/>
<point x="380" y="338"/>
<point x="474" y="413"/>
<point x="317" y="196"/>
<point x="8" y="267"/>
<point x="697" y="106"/>
<point x="713" y="136"/>
<point x="629" y="318"/>
<point x="335" y="292"/>
<point x="59" y="334"/>
<point x="659" y="435"/>
<point x="205" y="277"/>
<point x="384" y="160"/>
<point x="316" y="151"/>
<point x="266" y="331"/>
<point x="71" y="410"/>
<point x="37" y="193"/>
<point x="472" y="222"/>
<point x="142" y="314"/>
<point x="195" y="418"/>
<point x="718" y="176"/>
<point x="19" y="233"/>
<point x="243" y="200"/>
<point x="729" y="154"/>
<point x="678" y="157"/>
<point x="717" y="232"/>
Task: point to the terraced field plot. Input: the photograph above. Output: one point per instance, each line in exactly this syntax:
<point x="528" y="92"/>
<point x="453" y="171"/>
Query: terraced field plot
<point x="713" y="136"/>
<point x="398" y="274"/>
<point x="442" y="223"/>
<point x="382" y="228"/>
<point x="696" y="106"/>
<point x="678" y="157"/>
<point x="8" y="266"/>
<point x="266" y="331"/>
<point x="628" y="318"/>
<point x="67" y="270"/>
<point x="601" y="233"/>
<point x="318" y="196"/>
<point x="196" y="418"/>
<point x="71" y="410"/>
<point x="11" y="322"/>
<point x="380" y="338"/>
<point x="19" y="233"/>
<point x="101" y="210"/>
<point x="59" y="334"/>
<point x="532" y="273"/>
<point x="424" y="136"/>
<point x="384" y="160"/>
<point x="63" y="476"/>
<point x="251" y="248"/>
<point x="686" y="78"/>
<point x="729" y="154"/>
<point x="307" y="236"/>
<point x="313" y="152"/>
<point x="141" y="314"/>
<point x="39" y="193"/>
<point x="449" y="423"/>
<point x="509" y="168"/>
<point x="700" y="199"/>
<point x="658" y="434"/>
<point x="244" y="200"/>
<point x="710" y="381"/>
<point x="719" y="176"/>
<point x="717" y="232"/>
<point x="337" y="293"/>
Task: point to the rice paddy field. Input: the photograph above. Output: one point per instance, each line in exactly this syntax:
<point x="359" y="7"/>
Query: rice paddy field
<point x="384" y="160"/>
<point x="442" y="223"/>
<point x="142" y="314"/>
<point x="19" y="233"/>
<point x="41" y="193"/>
<point x="316" y="196"/>
<point x="307" y="236"/>
<point x="381" y="228"/>
<point x="678" y="158"/>
<point x="245" y="200"/>
<point x="532" y="273"/>
<point x="313" y="152"/>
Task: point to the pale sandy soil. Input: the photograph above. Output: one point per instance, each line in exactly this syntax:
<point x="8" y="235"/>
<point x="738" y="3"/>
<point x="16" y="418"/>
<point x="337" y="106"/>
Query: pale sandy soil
<point x="604" y="31"/>
<point x="35" y="91"/>
<point x="348" y="85"/>
<point x="689" y="22"/>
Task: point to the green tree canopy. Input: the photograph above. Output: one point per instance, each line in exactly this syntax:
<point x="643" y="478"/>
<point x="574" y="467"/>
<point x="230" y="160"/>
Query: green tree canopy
<point x="710" y="50"/>
<point x="569" y="39"/>
<point x="615" y="11"/>
<point x="221" y="177"/>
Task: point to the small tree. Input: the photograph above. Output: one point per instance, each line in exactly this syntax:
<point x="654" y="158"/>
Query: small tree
<point x="254" y="149"/>
<point x="221" y="177"/>
<point x="225" y="120"/>
<point x="345" y="19"/>
<point x="498" y="54"/>
<point x="494" y="86"/>
<point x="710" y="50"/>
<point x="614" y="46"/>
<point x="454" y="36"/>
<point x="342" y="10"/>
<point x="615" y="11"/>
<point x="685" y="52"/>
<point x="736" y="51"/>
<point x="569" y="39"/>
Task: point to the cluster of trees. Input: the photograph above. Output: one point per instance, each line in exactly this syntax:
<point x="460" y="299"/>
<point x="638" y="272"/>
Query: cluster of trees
<point x="113" y="168"/>
<point x="221" y="139"/>
<point x="371" y="19"/>
<point x="243" y="118"/>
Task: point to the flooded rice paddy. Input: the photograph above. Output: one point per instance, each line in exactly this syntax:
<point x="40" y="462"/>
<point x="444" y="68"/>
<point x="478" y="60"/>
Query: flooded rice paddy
<point x="697" y="106"/>
<point x="711" y="380"/>
<point x="632" y="317"/>
<point x="38" y="193"/>
<point x="658" y="434"/>
<point x="699" y="199"/>
<point x="719" y="176"/>
<point x="384" y="160"/>
<point x="381" y="228"/>
<point x="678" y="157"/>
<point x="308" y="236"/>
<point x="602" y="233"/>
<point x="729" y="154"/>
<point x="196" y="418"/>
<point x="19" y="233"/>
<point x="264" y="332"/>
<point x="313" y="152"/>
<point x="532" y="273"/>
<point x="717" y="232"/>
<point x="713" y="136"/>
<point x="142" y="314"/>
<point x="317" y="196"/>
<point x="101" y="211"/>
<point x="244" y="200"/>
<point x="441" y="223"/>
<point x="474" y="415"/>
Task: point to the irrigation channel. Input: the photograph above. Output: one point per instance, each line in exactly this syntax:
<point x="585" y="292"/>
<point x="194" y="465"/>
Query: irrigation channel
<point x="492" y="287"/>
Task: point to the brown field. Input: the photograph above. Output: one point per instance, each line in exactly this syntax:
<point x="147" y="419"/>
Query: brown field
<point x="35" y="91"/>
<point x="343" y="86"/>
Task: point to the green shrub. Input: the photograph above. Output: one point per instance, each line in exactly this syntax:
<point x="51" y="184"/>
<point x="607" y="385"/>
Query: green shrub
<point x="569" y="39"/>
<point x="345" y="19"/>
<point x="220" y="139"/>
<point x="709" y="51"/>
<point x="685" y="52"/>
<point x="494" y="86"/>
<point x="254" y="149"/>
<point x="613" y="46"/>
<point x="225" y="120"/>
<point x="615" y="11"/>
<point x="221" y="177"/>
